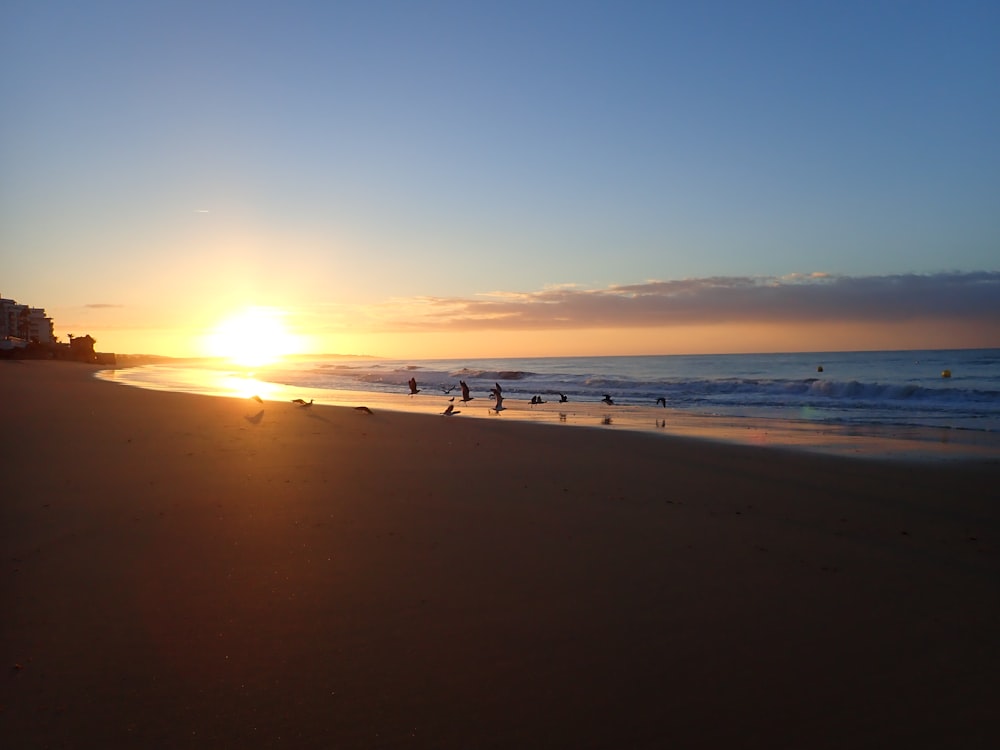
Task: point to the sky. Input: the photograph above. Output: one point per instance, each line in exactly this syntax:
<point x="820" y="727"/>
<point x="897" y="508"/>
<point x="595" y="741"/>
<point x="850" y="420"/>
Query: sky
<point x="456" y="179"/>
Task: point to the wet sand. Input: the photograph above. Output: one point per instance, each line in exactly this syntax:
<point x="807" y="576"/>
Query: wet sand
<point x="860" y="441"/>
<point x="183" y="570"/>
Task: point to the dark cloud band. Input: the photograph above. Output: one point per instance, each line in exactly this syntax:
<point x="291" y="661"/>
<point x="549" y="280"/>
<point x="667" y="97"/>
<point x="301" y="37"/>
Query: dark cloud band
<point x="973" y="297"/>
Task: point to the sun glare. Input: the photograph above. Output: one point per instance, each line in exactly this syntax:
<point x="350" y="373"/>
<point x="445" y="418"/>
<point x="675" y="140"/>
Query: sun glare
<point x="253" y="337"/>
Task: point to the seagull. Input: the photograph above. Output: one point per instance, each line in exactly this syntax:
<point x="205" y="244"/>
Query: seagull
<point x="364" y="409"/>
<point x="562" y="398"/>
<point x="497" y="391"/>
<point x="258" y="399"/>
<point x="661" y="401"/>
<point x="499" y="407"/>
<point x="450" y="411"/>
<point x="537" y="400"/>
<point x="466" y="398"/>
<point x="413" y="386"/>
<point x="607" y="399"/>
<point x="302" y="403"/>
<point x="447" y="389"/>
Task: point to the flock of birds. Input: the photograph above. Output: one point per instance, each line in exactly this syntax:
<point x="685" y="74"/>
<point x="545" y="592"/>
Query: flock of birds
<point x="496" y="393"/>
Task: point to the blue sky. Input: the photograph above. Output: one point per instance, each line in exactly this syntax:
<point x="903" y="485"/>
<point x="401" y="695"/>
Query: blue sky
<point x="340" y="159"/>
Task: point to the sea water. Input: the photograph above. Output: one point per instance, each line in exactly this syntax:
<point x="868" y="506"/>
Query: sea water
<point x="941" y="389"/>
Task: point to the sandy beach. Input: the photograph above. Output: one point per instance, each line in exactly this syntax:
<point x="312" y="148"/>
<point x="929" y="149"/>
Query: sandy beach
<point x="188" y="571"/>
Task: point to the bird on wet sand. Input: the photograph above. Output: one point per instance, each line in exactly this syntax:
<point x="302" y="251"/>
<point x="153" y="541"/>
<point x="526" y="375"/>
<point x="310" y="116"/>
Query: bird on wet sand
<point x="498" y="407"/>
<point x="607" y="399"/>
<point x="363" y="409"/>
<point x="562" y="398"/>
<point x="413" y="386"/>
<point x="450" y="411"/>
<point x="466" y="398"/>
<point x="302" y="402"/>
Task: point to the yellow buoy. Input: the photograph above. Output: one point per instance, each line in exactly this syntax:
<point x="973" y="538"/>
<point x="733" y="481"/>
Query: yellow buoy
<point x="946" y="373"/>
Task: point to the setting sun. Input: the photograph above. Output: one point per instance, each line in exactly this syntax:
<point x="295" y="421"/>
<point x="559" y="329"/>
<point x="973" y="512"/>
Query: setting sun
<point x="252" y="337"/>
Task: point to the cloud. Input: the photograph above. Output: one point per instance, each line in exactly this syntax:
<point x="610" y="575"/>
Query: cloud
<point x="796" y="298"/>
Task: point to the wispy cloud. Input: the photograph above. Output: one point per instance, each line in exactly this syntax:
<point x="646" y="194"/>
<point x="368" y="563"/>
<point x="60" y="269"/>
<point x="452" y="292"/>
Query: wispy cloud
<point x="795" y="298"/>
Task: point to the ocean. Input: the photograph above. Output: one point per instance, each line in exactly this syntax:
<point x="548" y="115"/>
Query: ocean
<point x="953" y="389"/>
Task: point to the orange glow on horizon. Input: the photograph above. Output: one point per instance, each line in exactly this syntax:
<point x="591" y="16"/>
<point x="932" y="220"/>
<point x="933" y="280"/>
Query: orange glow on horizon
<point x="252" y="337"/>
<point x="256" y="335"/>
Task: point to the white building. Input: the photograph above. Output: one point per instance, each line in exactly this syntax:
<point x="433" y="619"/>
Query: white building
<point x="25" y="323"/>
<point x="8" y="318"/>
<point x="40" y="326"/>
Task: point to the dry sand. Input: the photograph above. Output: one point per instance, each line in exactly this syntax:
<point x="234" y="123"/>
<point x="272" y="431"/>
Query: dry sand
<point x="188" y="571"/>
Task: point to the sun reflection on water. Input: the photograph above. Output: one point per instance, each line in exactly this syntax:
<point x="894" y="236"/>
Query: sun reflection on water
<point x="203" y="380"/>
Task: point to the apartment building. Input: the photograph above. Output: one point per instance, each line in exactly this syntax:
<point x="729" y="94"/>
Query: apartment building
<point x="24" y="323"/>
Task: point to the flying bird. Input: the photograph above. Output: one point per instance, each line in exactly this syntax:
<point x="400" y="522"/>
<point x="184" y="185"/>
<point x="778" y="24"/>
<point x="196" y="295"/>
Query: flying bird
<point x="498" y="407"/>
<point x="413" y="386"/>
<point x="258" y="399"/>
<point x="607" y="399"/>
<point x="562" y="398"/>
<point x="364" y="409"/>
<point x="302" y="402"/>
<point x="661" y="401"/>
<point x="446" y="389"/>
<point x="466" y="398"/>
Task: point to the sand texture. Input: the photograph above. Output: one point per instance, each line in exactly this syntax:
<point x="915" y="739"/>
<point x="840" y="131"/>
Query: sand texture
<point x="188" y="571"/>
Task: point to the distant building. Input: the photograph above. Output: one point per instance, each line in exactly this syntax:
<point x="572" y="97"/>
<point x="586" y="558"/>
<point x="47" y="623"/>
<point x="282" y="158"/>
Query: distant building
<point x="28" y="333"/>
<point x="8" y="318"/>
<point x="40" y="328"/>
<point x="21" y="323"/>
<point x="82" y="348"/>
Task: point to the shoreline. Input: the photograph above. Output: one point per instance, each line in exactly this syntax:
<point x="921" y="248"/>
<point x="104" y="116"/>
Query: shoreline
<point x="860" y="441"/>
<point x="183" y="570"/>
